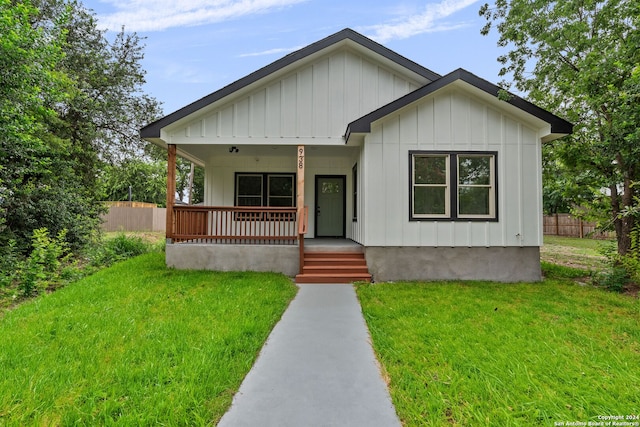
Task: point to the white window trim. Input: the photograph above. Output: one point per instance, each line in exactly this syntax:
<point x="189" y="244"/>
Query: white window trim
<point x="446" y="185"/>
<point x="452" y="188"/>
<point x="490" y="186"/>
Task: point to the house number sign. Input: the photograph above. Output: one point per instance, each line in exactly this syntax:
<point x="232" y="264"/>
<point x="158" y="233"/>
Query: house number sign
<point x="300" y="157"/>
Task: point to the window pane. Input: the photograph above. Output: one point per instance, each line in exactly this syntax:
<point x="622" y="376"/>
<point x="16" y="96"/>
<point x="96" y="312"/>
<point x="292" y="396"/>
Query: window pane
<point x="330" y="188"/>
<point x="473" y="200"/>
<point x="249" y="201"/>
<point x="280" y="191"/>
<point x="250" y="185"/>
<point x="249" y="190"/>
<point x="281" y="202"/>
<point x="474" y="170"/>
<point x="430" y="170"/>
<point x="281" y="186"/>
<point x="429" y="200"/>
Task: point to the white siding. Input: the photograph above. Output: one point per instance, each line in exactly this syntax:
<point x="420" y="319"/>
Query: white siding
<point x="316" y="101"/>
<point x="450" y="121"/>
<point x="221" y="167"/>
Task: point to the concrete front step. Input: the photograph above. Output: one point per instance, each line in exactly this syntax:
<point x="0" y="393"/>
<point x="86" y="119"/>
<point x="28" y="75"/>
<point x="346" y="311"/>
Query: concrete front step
<point x="334" y="267"/>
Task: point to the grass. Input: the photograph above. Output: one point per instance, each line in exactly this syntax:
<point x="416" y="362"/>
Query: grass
<point x="140" y="344"/>
<point x="487" y="354"/>
<point x="584" y="254"/>
<point x="136" y="344"/>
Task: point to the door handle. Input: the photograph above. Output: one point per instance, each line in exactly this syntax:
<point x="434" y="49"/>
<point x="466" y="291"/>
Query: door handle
<point x="318" y="210"/>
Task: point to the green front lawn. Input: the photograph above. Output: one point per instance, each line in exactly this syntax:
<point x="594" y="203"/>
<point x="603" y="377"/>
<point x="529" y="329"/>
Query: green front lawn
<point x="487" y="354"/>
<point x="136" y="344"/>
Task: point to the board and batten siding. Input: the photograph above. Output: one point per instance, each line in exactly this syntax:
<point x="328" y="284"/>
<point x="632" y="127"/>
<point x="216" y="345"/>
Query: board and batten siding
<point x="450" y="121"/>
<point x="313" y="101"/>
<point x="221" y="168"/>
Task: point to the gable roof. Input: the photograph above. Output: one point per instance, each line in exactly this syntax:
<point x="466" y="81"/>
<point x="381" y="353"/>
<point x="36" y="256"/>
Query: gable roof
<point x="559" y="126"/>
<point x="152" y="130"/>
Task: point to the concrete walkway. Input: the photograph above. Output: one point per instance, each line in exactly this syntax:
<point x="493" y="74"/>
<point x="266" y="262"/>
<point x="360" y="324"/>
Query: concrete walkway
<point x="316" y="369"/>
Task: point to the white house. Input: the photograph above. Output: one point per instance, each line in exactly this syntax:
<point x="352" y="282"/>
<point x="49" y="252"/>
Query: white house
<point x="425" y="176"/>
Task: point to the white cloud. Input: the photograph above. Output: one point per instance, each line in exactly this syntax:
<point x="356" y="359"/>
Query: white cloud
<point x="271" y="51"/>
<point x="158" y="15"/>
<point x="425" y="22"/>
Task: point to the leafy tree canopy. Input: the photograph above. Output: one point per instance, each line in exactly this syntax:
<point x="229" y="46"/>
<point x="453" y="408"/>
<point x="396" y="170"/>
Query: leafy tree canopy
<point x="580" y="59"/>
<point x="71" y="102"/>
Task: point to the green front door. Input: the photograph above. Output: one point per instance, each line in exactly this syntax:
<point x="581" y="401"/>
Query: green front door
<point x="330" y="206"/>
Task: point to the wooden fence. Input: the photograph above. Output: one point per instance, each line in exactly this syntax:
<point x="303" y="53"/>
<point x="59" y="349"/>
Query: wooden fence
<point x="134" y="216"/>
<point x="569" y="226"/>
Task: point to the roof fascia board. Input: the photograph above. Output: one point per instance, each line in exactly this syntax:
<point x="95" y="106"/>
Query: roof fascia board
<point x="558" y="126"/>
<point x="153" y="129"/>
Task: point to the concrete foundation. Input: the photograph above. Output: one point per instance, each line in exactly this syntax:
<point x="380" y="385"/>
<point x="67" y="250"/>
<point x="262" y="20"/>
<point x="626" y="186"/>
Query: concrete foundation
<point x="279" y="259"/>
<point x="501" y="264"/>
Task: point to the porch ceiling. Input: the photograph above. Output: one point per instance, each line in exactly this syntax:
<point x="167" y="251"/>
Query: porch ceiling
<point x="205" y="152"/>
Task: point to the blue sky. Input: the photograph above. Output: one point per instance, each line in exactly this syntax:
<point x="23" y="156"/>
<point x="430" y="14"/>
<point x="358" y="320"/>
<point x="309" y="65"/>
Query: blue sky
<point x="195" y="47"/>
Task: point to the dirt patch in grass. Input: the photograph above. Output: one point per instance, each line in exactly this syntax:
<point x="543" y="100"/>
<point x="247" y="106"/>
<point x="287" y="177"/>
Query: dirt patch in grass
<point x="585" y="254"/>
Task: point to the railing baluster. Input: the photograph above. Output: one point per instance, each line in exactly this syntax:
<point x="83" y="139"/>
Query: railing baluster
<point x="247" y="225"/>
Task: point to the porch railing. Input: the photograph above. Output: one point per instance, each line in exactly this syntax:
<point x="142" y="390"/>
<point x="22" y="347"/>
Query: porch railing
<point x="234" y="225"/>
<point x="303" y="224"/>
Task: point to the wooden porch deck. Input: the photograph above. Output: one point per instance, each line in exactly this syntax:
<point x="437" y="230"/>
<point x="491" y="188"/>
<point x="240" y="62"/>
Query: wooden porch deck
<point x="321" y="260"/>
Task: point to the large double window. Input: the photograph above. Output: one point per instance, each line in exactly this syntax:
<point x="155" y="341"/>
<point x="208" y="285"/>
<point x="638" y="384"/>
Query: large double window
<point x="453" y="185"/>
<point x="265" y="189"/>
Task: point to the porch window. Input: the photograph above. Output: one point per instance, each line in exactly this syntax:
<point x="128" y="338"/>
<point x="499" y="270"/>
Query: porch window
<point x="265" y="189"/>
<point x="249" y="190"/>
<point x="280" y="190"/>
<point x="453" y="185"/>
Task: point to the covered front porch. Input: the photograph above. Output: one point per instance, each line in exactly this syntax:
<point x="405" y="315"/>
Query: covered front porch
<point x="263" y="244"/>
<point x="227" y="236"/>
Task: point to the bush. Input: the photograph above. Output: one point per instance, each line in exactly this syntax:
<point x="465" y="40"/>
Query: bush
<point x="50" y="262"/>
<point x="9" y="260"/>
<point x="117" y="249"/>
<point x="616" y="279"/>
<point x="624" y="270"/>
<point x="44" y="265"/>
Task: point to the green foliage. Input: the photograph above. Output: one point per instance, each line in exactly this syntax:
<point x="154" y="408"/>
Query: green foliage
<point x="183" y="179"/>
<point x="623" y="270"/>
<point x="50" y="263"/>
<point x="44" y="265"/>
<point x="580" y="60"/>
<point x="70" y="102"/>
<point x="116" y="249"/>
<point x="556" y="271"/>
<point x="29" y="85"/>
<point x="148" y="181"/>
<point x="9" y="259"/>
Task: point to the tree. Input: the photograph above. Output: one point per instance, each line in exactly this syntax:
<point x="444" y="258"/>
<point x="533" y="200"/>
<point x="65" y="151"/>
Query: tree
<point x="147" y="180"/>
<point x="580" y="59"/>
<point x="103" y="114"/>
<point x="189" y="177"/>
<point x="37" y="181"/>
<point x="71" y="102"/>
